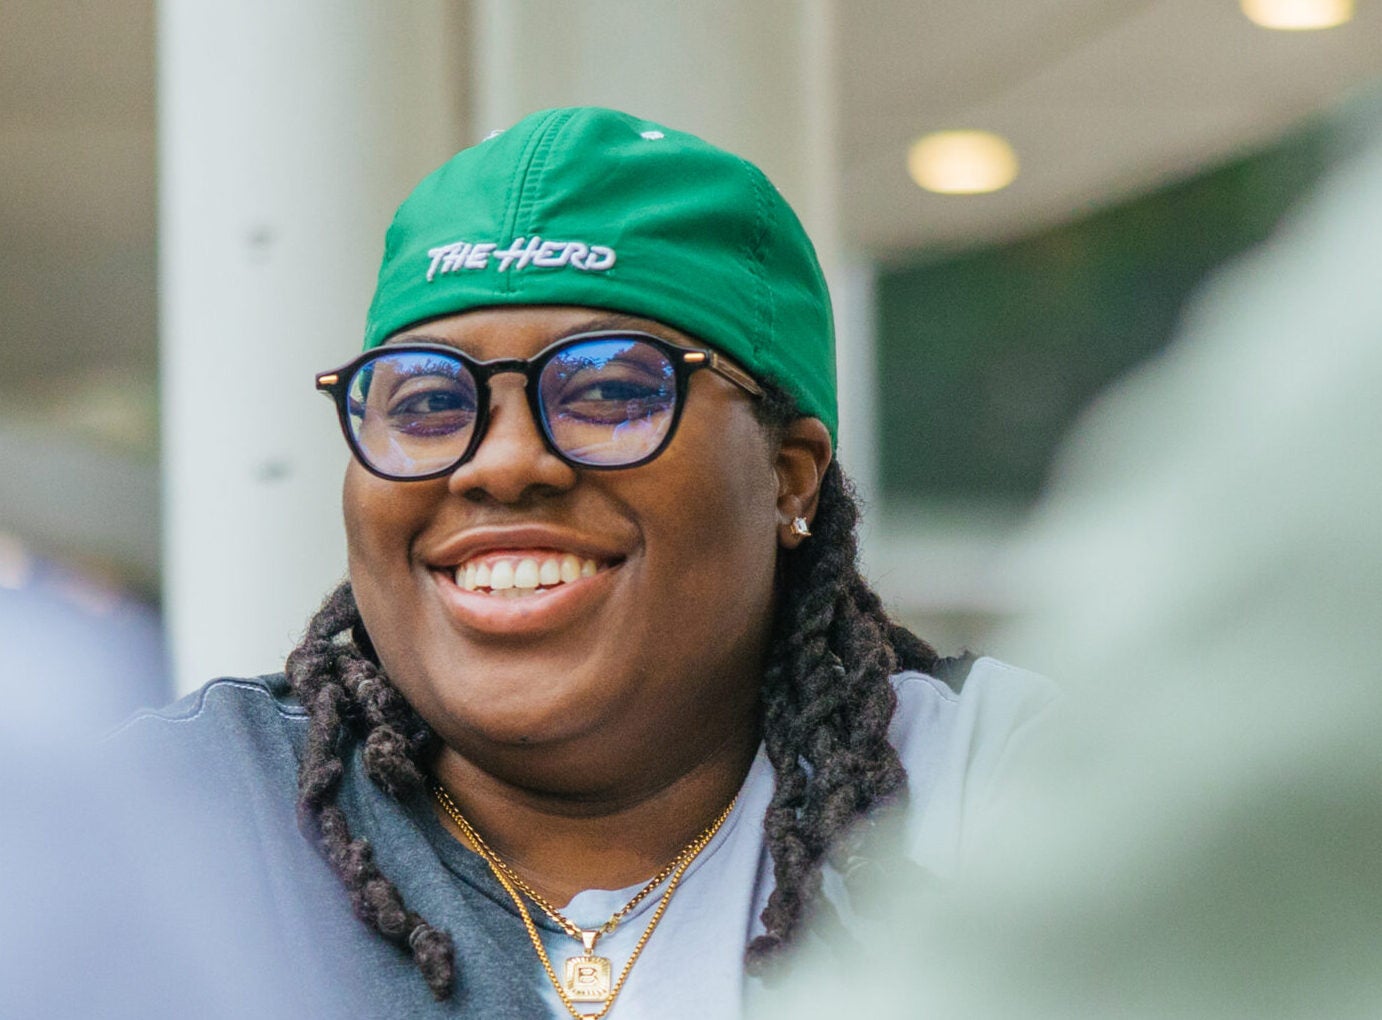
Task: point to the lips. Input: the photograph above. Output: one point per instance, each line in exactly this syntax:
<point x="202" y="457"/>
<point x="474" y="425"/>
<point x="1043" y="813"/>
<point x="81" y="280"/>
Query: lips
<point x="525" y="580"/>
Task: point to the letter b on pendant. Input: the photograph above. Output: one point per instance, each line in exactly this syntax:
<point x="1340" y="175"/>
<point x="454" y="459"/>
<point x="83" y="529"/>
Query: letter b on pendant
<point x="587" y="978"/>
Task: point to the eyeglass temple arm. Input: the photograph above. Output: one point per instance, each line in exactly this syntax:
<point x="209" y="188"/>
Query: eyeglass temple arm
<point x="723" y="366"/>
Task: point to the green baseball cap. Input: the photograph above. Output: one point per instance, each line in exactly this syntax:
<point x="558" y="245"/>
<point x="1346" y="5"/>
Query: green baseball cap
<point x="586" y="206"/>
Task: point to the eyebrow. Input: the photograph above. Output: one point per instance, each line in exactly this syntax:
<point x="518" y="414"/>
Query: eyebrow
<point x="595" y="324"/>
<point x="612" y="321"/>
<point x="618" y="321"/>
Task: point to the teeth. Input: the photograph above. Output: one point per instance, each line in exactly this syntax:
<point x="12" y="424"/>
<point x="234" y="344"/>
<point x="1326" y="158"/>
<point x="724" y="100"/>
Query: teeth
<point x="501" y="576"/>
<point x="570" y="567"/>
<point x="513" y="577"/>
<point x="525" y="575"/>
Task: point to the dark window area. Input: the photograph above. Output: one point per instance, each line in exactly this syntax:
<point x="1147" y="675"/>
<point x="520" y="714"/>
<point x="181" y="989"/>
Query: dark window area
<point x="986" y="358"/>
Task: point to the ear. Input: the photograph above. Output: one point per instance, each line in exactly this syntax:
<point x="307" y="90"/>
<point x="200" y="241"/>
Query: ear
<point x="802" y="458"/>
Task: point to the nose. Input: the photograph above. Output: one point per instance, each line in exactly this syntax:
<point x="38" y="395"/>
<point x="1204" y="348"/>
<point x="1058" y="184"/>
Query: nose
<point x="512" y="462"/>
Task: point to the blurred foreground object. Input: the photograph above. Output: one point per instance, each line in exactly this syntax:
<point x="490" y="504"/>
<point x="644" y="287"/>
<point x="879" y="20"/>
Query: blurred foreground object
<point x="1201" y="834"/>
<point x="79" y="647"/>
<point x="107" y="910"/>
<point x="105" y="904"/>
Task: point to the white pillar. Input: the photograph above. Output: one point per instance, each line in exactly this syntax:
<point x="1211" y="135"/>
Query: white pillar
<point x="852" y="285"/>
<point x="739" y="74"/>
<point x="850" y="276"/>
<point x="287" y="134"/>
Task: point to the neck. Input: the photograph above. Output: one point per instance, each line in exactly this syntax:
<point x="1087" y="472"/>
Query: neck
<point x="603" y="836"/>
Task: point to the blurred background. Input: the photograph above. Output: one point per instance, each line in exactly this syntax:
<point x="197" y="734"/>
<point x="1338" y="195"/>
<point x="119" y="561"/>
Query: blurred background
<point x="1013" y="201"/>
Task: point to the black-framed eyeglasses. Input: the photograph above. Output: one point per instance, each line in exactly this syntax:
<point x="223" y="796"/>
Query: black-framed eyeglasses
<point x="412" y="411"/>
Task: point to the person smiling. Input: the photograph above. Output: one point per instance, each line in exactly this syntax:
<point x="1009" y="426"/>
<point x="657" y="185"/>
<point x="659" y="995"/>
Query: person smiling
<point x="605" y="711"/>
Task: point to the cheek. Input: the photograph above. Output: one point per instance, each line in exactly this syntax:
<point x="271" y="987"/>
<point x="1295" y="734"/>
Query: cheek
<point x="380" y="520"/>
<point x="724" y="602"/>
<point x="380" y="516"/>
<point x="364" y="552"/>
<point x="716" y="541"/>
<point x="368" y="522"/>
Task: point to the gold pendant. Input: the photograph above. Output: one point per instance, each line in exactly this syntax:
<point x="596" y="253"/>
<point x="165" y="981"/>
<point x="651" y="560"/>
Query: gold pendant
<point x="587" y="976"/>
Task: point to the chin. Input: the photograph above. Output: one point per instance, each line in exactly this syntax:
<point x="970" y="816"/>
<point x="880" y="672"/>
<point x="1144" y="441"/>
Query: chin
<point x="505" y="707"/>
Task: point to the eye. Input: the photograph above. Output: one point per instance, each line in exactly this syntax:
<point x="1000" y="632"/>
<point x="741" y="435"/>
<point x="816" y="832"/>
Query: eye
<point x="422" y="397"/>
<point x="613" y="390"/>
<point x="612" y="395"/>
<point x="430" y="407"/>
<point x="608" y="383"/>
<point x="435" y="400"/>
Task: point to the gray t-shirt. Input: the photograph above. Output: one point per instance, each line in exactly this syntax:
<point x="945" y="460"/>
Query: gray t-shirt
<point x="236" y="745"/>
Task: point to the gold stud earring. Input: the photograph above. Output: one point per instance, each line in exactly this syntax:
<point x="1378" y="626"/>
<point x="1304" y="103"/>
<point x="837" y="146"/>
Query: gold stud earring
<point x="799" y="528"/>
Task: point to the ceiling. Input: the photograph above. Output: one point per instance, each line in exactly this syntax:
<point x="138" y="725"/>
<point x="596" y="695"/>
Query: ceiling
<point x="1100" y="98"/>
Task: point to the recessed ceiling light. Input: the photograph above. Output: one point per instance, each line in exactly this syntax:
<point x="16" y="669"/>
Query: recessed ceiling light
<point x="961" y="162"/>
<point x="1297" y="15"/>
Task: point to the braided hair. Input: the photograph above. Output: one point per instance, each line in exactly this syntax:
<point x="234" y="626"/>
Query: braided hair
<point x="826" y="705"/>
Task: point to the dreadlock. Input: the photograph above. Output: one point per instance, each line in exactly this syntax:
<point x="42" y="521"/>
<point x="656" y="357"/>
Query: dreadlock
<point x="335" y="674"/>
<point x="826" y="702"/>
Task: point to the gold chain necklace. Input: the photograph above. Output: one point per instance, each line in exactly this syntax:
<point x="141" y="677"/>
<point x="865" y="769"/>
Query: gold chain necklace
<point x="587" y="977"/>
<point x="572" y="929"/>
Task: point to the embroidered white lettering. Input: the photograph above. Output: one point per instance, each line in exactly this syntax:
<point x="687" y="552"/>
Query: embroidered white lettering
<point x="600" y="258"/>
<point x="534" y="243"/>
<point x="448" y="258"/>
<point x="521" y="253"/>
<point x="456" y="259"/>
<point x="507" y="256"/>
<point x="552" y="253"/>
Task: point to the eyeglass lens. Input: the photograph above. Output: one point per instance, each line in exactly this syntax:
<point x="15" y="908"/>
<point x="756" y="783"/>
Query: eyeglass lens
<point x="604" y="402"/>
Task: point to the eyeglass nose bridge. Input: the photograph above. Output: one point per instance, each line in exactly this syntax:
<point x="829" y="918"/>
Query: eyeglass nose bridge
<point x="506" y="366"/>
<point x="484" y="373"/>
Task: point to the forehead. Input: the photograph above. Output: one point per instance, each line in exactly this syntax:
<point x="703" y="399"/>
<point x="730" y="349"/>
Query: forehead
<point x="522" y="331"/>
